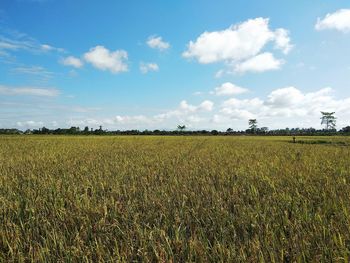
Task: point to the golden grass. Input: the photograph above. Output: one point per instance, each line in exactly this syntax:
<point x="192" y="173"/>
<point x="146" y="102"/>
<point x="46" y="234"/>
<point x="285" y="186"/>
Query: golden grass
<point x="173" y="199"/>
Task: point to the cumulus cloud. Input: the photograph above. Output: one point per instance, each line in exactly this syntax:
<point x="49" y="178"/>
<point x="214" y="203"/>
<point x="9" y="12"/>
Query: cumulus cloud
<point x="132" y="119"/>
<point x="283" y="107"/>
<point x="147" y="67"/>
<point x="284" y="97"/>
<point x="238" y="42"/>
<point x="184" y="113"/>
<point x="286" y="102"/>
<point x="228" y="89"/>
<point x="238" y="114"/>
<point x="72" y="61"/>
<point x="206" y="105"/>
<point x="260" y="63"/>
<point x="157" y="42"/>
<point x="249" y="106"/>
<point x="241" y="45"/>
<point x="282" y="40"/>
<point x="28" y="91"/>
<point x="339" y="20"/>
<point x="104" y="59"/>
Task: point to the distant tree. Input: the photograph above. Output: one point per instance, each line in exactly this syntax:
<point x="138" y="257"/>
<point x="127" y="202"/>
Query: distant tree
<point x="10" y="131"/>
<point x="86" y="129"/>
<point x="346" y="129"/>
<point x="44" y="130"/>
<point x="28" y="131"/>
<point x="253" y="125"/>
<point x="214" y="132"/>
<point x="203" y="132"/>
<point x="181" y="127"/>
<point x="229" y="130"/>
<point x="73" y="130"/>
<point x="328" y="119"/>
<point x="264" y="129"/>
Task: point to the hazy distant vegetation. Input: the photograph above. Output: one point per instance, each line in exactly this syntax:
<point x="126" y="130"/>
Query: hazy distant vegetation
<point x="328" y="119"/>
<point x="229" y="131"/>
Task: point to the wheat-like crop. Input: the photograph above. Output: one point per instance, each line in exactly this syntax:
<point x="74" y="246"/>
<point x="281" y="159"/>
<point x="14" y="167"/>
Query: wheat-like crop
<point x="173" y="199"/>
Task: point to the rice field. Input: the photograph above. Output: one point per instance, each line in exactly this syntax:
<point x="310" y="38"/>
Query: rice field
<point x="174" y="199"/>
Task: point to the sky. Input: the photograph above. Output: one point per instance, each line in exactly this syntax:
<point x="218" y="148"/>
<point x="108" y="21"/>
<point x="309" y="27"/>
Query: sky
<point x="158" y="64"/>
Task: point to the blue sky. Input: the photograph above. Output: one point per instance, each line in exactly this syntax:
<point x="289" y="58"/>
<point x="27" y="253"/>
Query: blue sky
<point x="157" y="64"/>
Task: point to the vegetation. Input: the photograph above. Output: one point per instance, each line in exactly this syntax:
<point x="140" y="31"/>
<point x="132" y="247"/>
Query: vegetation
<point x="328" y="119"/>
<point x="173" y="199"/>
<point x="229" y="131"/>
<point x="181" y="127"/>
<point x="253" y="125"/>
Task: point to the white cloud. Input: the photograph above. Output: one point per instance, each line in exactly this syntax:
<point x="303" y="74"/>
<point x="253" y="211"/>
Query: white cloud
<point x="284" y="97"/>
<point x="72" y="61"/>
<point x="157" y="43"/>
<point x="238" y="42"/>
<point x="38" y="71"/>
<point x="30" y="124"/>
<point x="184" y="110"/>
<point x="193" y="119"/>
<point x="239" y="114"/>
<point x="125" y="121"/>
<point x="14" y="41"/>
<point x="101" y="58"/>
<point x="228" y="89"/>
<point x="219" y="73"/>
<point x="184" y="113"/>
<point x="185" y="107"/>
<point x="206" y="105"/>
<point x="287" y="105"/>
<point x="282" y="40"/>
<point x="84" y="122"/>
<point x="46" y="47"/>
<point x="197" y="93"/>
<point x="132" y="119"/>
<point x="28" y="91"/>
<point x="284" y="107"/>
<point x="8" y="45"/>
<point x="247" y="105"/>
<point x="339" y="20"/>
<point x="259" y="63"/>
<point x="147" y="67"/>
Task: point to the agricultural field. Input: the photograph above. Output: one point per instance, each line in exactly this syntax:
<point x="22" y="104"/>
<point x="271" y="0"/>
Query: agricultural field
<point x="174" y="199"/>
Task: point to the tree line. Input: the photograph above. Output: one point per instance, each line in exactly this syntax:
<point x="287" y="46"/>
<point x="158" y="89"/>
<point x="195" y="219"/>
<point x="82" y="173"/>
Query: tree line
<point x="328" y="119"/>
<point x="229" y="131"/>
